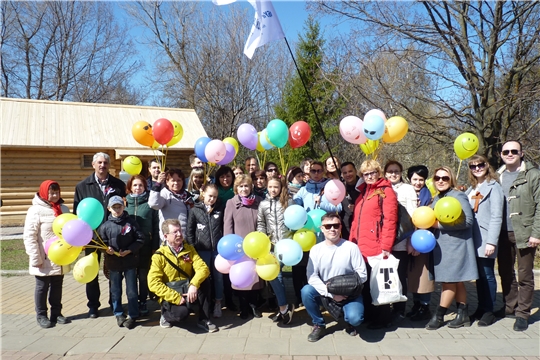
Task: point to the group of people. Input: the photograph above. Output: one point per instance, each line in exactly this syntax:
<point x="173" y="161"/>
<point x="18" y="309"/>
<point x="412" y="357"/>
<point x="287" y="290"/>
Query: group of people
<point x="162" y="233"/>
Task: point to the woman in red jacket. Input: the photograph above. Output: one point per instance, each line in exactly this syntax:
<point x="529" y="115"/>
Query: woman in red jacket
<point x="374" y="230"/>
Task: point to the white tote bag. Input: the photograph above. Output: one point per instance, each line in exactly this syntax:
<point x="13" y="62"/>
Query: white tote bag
<point x="384" y="281"/>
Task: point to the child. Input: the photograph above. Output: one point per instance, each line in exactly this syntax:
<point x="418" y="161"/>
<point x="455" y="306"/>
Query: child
<point x="270" y="220"/>
<point x="124" y="239"/>
<point x="204" y="229"/>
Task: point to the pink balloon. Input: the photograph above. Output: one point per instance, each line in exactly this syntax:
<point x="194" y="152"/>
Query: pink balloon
<point x="231" y="153"/>
<point x="243" y="273"/>
<point x="247" y="135"/>
<point x="352" y="130"/>
<point x="376" y="112"/>
<point x="77" y="232"/>
<point x="215" y="151"/>
<point x="223" y="265"/>
<point x="48" y="244"/>
<point x="334" y="190"/>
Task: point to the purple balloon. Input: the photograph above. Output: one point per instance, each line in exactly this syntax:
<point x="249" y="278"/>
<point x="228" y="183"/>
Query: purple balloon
<point x="231" y="152"/>
<point x="77" y="232"/>
<point x="247" y="135"/>
<point x="243" y="273"/>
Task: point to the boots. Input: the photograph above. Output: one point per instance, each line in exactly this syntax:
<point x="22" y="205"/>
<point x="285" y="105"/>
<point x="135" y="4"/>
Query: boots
<point x="414" y="310"/>
<point x="462" y="318"/>
<point x="437" y="320"/>
<point x="422" y="314"/>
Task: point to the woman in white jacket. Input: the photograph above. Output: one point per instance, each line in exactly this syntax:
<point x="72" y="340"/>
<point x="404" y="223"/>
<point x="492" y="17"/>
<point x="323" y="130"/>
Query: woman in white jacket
<point x="46" y="205"/>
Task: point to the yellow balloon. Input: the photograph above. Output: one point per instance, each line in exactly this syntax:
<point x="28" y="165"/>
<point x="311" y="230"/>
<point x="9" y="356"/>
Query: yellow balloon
<point x="60" y="221"/>
<point x="86" y="268"/>
<point x="466" y="145"/>
<point x="431" y="187"/>
<point x="395" y="129"/>
<point x="267" y="267"/>
<point x="155" y="145"/>
<point x="132" y="165"/>
<point x="61" y="253"/>
<point x="233" y="142"/>
<point x="306" y="238"/>
<point x="256" y="244"/>
<point x="178" y="133"/>
<point x="259" y="146"/>
<point x="447" y="209"/>
<point x="423" y="217"/>
<point x="369" y="146"/>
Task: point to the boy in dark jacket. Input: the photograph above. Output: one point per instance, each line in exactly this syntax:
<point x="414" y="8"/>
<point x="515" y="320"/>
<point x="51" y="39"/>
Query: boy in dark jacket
<point x="124" y="239"/>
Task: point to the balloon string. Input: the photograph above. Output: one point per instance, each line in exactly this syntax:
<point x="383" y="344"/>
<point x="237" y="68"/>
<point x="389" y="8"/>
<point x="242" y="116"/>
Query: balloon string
<point x="458" y="169"/>
<point x="101" y="242"/>
<point x="281" y="161"/>
<point x="377" y="151"/>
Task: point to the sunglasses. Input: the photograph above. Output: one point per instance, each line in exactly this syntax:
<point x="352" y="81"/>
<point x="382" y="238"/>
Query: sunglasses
<point x="513" y="151"/>
<point x="369" y="132"/>
<point x="443" y="178"/>
<point x="315" y="171"/>
<point x="394" y="172"/>
<point x="480" y="166"/>
<point x="271" y="170"/>
<point x="331" y="226"/>
<point x="369" y="174"/>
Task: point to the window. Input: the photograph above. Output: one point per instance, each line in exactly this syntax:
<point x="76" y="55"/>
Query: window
<point x="86" y="161"/>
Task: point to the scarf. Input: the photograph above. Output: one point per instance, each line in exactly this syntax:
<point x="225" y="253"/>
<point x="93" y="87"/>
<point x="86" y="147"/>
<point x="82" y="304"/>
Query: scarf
<point x="186" y="198"/>
<point x="248" y="201"/>
<point x="44" y="195"/>
<point x="424" y="196"/>
<point x="133" y="195"/>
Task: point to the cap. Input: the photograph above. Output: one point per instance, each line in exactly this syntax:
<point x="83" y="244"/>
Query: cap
<point x="115" y="200"/>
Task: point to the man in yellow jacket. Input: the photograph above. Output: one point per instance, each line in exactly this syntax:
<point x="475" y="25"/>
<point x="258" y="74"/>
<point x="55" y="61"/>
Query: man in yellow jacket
<point x="174" y="305"/>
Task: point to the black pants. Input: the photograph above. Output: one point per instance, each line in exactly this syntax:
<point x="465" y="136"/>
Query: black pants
<point x="247" y="298"/>
<point x="51" y="286"/>
<point x="299" y="276"/>
<point x="374" y="313"/>
<point x="177" y="313"/>
<point x="402" y="270"/>
<point x="92" y="288"/>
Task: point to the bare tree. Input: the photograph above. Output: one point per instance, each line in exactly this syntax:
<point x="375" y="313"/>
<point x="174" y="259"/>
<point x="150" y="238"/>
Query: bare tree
<point x="57" y="50"/>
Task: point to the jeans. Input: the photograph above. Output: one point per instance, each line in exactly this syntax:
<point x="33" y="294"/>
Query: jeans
<point x="131" y="291"/>
<point x="424" y="299"/>
<point x="279" y="288"/>
<point x="142" y="275"/>
<point x="52" y="286"/>
<point x="92" y="288"/>
<point x="486" y="285"/>
<point x="217" y="278"/>
<point x="353" y="310"/>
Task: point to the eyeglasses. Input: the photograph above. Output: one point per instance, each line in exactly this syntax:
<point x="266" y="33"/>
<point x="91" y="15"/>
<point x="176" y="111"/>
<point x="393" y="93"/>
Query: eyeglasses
<point x="271" y="170"/>
<point x="394" y="172"/>
<point x="175" y="232"/>
<point x="331" y="226"/>
<point x="443" y="178"/>
<point x="513" y="151"/>
<point x="480" y="166"/>
<point x="315" y="171"/>
<point x="371" y="173"/>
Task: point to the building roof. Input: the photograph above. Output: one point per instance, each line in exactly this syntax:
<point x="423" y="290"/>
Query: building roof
<point x="62" y="124"/>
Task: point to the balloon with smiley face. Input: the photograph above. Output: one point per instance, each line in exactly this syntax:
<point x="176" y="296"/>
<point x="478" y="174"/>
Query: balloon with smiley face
<point x="86" y="268"/>
<point x="215" y="151"/>
<point x="299" y="134"/>
<point x="466" y="145"/>
<point x="142" y="133"/>
<point x="61" y="253"/>
<point x="335" y="192"/>
<point x="178" y="133"/>
<point x="373" y="126"/>
<point x="132" y="165"/>
<point x="395" y="129"/>
<point x="61" y="220"/>
<point x="351" y="129"/>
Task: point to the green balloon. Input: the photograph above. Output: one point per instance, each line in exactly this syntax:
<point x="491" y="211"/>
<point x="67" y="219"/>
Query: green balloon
<point x="278" y="132"/>
<point x="316" y="216"/>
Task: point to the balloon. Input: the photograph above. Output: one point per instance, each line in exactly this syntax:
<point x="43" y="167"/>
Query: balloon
<point x="278" y="133"/>
<point x="376" y="112"/>
<point x="61" y="253"/>
<point x="431" y="187"/>
<point x="142" y="133"/>
<point x="230" y="247"/>
<point x="267" y="267"/>
<point x="155" y="145"/>
<point x="247" y="135"/>
<point x="466" y="145"/>
<point x="91" y="211"/>
<point x="215" y="151"/>
<point x="256" y="244"/>
<point x="243" y="273"/>
<point x="423" y="217"/>
<point x="229" y="156"/>
<point x="223" y="265"/>
<point x="373" y="126"/>
<point x="370" y="146"/>
<point x="335" y="192"/>
<point x="447" y="209"/>
<point x="299" y="134"/>
<point x="310" y="225"/>
<point x="305" y="238"/>
<point x="200" y="146"/>
<point x="61" y="220"/>
<point x="132" y="165"/>
<point x="264" y="141"/>
<point x="351" y="129"/>
<point x="316" y="216"/>
<point x="86" y="268"/>
<point x="233" y="142"/>
<point x="178" y="133"/>
<point x="48" y="243"/>
<point x="423" y="241"/>
<point x="288" y="251"/>
<point x="396" y="128"/>
<point x="77" y="233"/>
<point x="163" y="131"/>
<point x="295" y="217"/>
<point x="259" y="145"/>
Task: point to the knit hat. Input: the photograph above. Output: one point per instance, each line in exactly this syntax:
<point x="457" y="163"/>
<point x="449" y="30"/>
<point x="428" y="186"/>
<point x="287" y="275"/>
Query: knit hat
<point x="293" y="171"/>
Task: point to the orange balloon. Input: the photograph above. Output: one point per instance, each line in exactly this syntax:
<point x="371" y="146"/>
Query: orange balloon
<point x="142" y="133"/>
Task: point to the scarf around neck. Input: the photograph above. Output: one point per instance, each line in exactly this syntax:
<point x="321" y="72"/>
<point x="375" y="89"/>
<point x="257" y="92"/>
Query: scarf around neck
<point x="248" y="201"/>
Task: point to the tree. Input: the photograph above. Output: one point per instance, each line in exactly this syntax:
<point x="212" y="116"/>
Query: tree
<point x="55" y="50"/>
<point x="320" y="82"/>
<point x="479" y="59"/>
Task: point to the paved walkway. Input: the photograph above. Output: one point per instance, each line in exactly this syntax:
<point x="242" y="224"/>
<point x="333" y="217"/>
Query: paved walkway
<point x="11" y="232"/>
<point x="257" y="339"/>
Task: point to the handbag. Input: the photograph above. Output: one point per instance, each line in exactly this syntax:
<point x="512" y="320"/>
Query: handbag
<point x="385" y="286"/>
<point x="349" y="285"/>
<point x="405" y="226"/>
<point x="180" y="286"/>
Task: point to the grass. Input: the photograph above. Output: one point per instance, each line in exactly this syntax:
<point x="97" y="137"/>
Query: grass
<point x="13" y="255"/>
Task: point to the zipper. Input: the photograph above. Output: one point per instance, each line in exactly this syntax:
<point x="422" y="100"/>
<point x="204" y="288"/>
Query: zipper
<point x="210" y="230"/>
<point x="360" y="215"/>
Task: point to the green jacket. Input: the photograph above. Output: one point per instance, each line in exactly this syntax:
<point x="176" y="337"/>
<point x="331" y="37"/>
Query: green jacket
<point x="524" y="202"/>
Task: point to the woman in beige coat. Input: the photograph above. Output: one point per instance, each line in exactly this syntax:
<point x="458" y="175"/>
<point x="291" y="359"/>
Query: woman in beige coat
<point x="46" y="205"/>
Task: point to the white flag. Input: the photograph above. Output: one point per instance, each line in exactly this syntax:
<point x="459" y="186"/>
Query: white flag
<point x="266" y="27"/>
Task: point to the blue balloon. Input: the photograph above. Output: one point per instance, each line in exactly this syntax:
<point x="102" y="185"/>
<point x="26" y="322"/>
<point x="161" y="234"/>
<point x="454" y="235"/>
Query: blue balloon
<point x="288" y="251"/>
<point x="230" y="247"/>
<point x="423" y="241"/>
<point x="374" y="127"/>
<point x="264" y="140"/>
<point x="200" y="145"/>
<point x="295" y="217"/>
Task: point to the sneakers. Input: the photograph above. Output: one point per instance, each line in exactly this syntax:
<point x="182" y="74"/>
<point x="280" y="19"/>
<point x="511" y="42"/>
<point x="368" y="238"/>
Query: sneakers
<point x="44" y="322"/>
<point x="317" y="333"/>
<point x="129" y="323"/>
<point x="143" y="309"/>
<point x="217" y="311"/>
<point x="277" y="318"/>
<point x="164" y="323"/>
<point x="287" y="317"/>
<point x="521" y="324"/>
<point x="351" y="330"/>
<point x="60" y="319"/>
<point x="120" y="319"/>
<point x="207" y="326"/>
